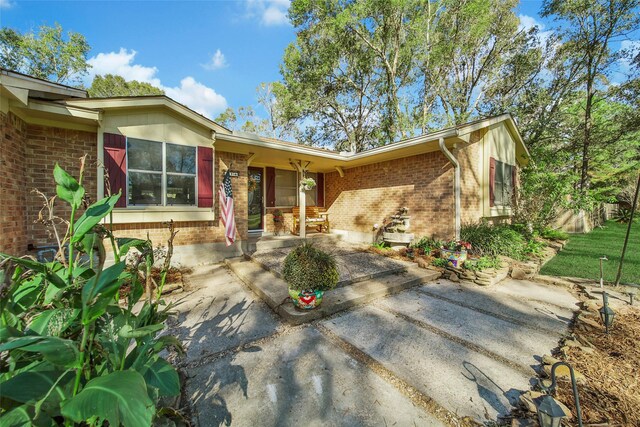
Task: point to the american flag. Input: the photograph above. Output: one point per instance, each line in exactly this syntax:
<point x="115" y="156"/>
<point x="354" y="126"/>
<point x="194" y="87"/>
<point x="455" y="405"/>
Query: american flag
<point x="227" y="215"/>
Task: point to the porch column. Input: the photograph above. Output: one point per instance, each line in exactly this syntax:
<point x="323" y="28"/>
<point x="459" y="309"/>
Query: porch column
<point x="303" y="207"/>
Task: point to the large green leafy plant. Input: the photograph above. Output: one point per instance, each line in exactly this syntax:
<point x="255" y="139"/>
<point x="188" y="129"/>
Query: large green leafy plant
<point x="71" y="349"/>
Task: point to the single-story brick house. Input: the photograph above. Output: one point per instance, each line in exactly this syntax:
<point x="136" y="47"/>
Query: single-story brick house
<point x="169" y="161"/>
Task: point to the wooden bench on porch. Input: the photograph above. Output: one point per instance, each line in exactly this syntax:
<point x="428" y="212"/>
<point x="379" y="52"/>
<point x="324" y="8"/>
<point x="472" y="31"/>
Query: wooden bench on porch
<point x="314" y="217"/>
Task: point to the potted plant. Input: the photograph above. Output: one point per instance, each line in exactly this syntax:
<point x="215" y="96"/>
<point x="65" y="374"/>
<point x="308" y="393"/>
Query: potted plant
<point x="278" y="220"/>
<point x="455" y="252"/>
<point x="309" y="272"/>
<point x="307" y="184"/>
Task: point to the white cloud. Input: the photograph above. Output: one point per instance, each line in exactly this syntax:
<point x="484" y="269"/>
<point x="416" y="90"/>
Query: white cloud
<point x="197" y="96"/>
<point x="528" y="22"/>
<point x="217" y="61"/>
<point x="6" y="4"/>
<point x="269" y="12"/>
<point x="191" y="93"/>
<point x="121" y="64"/>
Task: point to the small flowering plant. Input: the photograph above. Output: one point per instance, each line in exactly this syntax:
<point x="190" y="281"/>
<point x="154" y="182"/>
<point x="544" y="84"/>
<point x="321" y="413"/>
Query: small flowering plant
<point x="457" y="245"/>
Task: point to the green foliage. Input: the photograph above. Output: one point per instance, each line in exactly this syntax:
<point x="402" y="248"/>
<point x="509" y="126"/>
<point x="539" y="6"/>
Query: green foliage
<point x="554" y="234"/>
<point x="380" y="246"/>
<point x="70" y="350"/>
<point x="440" y="262"/>
<point x="307" y="267"/>
<point x="46" y="55"/>
<point x="482" y="263"/>
<point x="427" y="244"/>
<point x="580" y="257"/>
<point x="111" y="85"/>
<point x="493" y="240"/>
<point x="623" y="215"/>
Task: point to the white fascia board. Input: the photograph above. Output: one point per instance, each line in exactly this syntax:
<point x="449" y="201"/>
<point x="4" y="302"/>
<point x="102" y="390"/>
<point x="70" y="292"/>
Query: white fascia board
<point x="302" y="149"/>
<point x="152" y="101"/>
<point x="9" y="78"/>
<point x="65" y="110"/>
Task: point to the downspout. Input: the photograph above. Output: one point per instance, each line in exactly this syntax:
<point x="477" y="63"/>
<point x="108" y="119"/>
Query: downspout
<point x="456" y="183"/>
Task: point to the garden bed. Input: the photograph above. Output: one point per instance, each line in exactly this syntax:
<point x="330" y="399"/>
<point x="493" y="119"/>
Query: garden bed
<point x="607" y="366"/>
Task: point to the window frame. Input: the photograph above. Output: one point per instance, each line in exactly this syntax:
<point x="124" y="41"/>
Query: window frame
<point x="164" y="174"/>
<point x="275" y="184"/>
<point x="506" y="173"/>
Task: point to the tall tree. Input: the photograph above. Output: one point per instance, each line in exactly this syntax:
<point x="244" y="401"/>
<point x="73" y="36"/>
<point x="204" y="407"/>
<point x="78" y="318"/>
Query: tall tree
<point x="110" y="85"/>
<point x="588" y="29"/>
<point x="476" y="50"/>
<point x="49" y="54"/>
<point x="277" y="124"/>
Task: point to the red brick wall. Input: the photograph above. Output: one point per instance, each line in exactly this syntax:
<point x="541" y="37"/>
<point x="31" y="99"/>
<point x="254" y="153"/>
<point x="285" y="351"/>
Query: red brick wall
<point x="45" y="146"/>
<point x="13" y="220"/>
<point x="194" y="232"/>
<point x="366" y="195"/>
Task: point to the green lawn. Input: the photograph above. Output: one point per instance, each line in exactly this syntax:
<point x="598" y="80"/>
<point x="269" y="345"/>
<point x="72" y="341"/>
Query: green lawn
<point x="579" y="258"/>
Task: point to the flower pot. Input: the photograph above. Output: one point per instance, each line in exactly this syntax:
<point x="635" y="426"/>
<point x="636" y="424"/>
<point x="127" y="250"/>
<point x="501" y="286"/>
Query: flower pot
<point x="307" y="299"/>
<point x="455" y="258"/>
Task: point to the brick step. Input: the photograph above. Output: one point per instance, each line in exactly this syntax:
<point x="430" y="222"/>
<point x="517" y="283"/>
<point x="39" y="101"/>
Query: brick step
<point x="274" y="291"/>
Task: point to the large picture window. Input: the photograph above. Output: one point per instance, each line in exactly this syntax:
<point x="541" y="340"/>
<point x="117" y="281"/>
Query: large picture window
<point x="161" y="174"/>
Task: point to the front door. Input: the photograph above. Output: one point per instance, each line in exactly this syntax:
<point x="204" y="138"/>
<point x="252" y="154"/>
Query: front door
<point x="255" y="198"/>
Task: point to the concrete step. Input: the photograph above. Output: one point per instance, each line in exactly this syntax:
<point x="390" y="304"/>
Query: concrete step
<point x="463" y="381"/>
<point x="274" y="291"/>
<point x="265" y="243"/>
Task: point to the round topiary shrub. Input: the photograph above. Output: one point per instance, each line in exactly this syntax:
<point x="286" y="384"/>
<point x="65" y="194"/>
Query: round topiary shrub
<point x="308" y="268"/>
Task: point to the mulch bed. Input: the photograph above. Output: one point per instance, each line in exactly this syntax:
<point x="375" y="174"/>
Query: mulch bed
<point x="611" y="394"/>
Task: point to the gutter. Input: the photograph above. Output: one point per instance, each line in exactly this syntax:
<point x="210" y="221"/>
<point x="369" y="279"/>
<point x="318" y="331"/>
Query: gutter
<point x="456" y="183"/>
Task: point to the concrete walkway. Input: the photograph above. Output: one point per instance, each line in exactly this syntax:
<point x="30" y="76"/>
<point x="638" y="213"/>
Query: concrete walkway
<point x="432" y="355"/>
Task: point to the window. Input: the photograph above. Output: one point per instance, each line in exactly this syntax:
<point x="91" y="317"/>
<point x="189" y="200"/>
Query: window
<point x="312" y="195"/>
<point x="286" y="188"/>
<point x="161" y="174"/>
<point x="503" y="183"/>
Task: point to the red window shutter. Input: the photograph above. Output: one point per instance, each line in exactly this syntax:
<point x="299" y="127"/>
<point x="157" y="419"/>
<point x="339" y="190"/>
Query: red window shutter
<point x="492" y="181"/>
<point x="115" y="164"/>
<point x="320" y="186"/>
<point x="271" y="187"/>
<point x="205" y="177"/>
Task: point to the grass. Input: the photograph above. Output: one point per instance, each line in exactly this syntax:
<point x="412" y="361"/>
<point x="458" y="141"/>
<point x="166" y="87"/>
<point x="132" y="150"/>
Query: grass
<point x="580" y="257"/>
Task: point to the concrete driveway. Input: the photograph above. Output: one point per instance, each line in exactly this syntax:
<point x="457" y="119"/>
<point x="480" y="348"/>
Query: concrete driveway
<point x="432" y="355"/>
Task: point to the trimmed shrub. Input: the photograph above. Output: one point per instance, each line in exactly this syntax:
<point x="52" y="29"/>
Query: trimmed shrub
<point x="307" y="267"/>
<point x="493" y="240"/>
<point x="553" y="234"/>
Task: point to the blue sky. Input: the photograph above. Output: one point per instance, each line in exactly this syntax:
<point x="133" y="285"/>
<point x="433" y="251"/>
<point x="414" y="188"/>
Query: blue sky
<point x="205" y="54"/>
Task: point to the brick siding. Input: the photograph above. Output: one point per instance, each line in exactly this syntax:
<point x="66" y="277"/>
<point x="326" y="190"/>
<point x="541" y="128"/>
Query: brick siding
<point x="45" y="146"/>
<point x="366" y="195"/>
<point x="13" y="219"/>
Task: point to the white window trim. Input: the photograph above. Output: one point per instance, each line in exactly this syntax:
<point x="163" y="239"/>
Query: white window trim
<point x="164" y="174"/>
